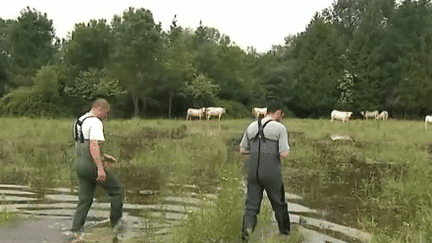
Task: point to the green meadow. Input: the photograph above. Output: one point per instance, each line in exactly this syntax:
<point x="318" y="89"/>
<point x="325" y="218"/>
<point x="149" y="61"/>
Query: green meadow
<point x="371" y="175"/>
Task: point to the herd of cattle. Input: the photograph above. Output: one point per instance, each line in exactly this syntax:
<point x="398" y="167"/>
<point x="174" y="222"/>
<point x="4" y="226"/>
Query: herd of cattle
<point x="346" y="115"/>
<point x="207" y="112"/>
<point x="258" y="112"/>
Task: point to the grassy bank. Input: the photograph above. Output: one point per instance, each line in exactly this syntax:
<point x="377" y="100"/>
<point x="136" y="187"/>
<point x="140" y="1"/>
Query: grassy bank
<point x="376" y="179"/>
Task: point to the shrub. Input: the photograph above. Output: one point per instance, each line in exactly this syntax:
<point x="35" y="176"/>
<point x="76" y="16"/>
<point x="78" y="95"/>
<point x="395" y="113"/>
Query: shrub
<point x="25" y="102"/>
<point x="42" y="99"/>
<point x="233" y="109"/>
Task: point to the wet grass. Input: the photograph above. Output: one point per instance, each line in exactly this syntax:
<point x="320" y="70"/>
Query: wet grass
<point x="6" y="216"/>
<point x="377" y="181"/>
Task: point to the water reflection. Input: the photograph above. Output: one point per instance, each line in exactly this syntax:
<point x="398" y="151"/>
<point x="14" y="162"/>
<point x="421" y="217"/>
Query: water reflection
<point x="156" y="215"/>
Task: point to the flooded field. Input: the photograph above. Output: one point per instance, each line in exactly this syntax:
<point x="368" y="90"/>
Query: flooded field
<point x="183" y="181"/>
<point x="150" y="220"/>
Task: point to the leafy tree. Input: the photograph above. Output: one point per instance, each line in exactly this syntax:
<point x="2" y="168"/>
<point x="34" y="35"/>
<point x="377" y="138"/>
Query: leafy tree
<point x="4" y="81"/>
<point x="137" y="53"/>
<point x="89" y="46"/>
<point x="224" y="62"/>
<point x="46" y="84"/>
<point x="366" y="58"/>
<point x="93" y="84"/>
<point x="201" y="88"/>
<point x="276" y="71"/>
<point x="319" y="66"/>
<point x="178" y="58"/>
<point x="346" y="16"/>
<point x="411" y="32"/>
<point x="29" y="43"/>
<point x="346" y="84"/>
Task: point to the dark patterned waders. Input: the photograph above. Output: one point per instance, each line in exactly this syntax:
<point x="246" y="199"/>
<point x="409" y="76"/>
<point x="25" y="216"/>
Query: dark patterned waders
<point x="264" y="174"/>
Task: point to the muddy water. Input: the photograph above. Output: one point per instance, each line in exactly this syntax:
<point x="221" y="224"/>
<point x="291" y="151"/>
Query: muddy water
<point x="51" y="214"/>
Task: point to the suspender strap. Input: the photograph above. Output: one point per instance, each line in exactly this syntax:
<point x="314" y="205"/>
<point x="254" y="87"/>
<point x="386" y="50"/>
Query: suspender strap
<point x="79" y="136"/>
<point x="261" y="130"/>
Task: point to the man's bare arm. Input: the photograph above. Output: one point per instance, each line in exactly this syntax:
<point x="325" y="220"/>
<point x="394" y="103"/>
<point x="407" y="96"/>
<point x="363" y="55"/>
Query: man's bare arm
<point x="97" y="159"/>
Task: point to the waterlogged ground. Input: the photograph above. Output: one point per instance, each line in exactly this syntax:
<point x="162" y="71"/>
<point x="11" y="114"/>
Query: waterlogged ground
<point x="45" y="217"/>
<point x="327" y="211"/>
<point x="153" y="210"/>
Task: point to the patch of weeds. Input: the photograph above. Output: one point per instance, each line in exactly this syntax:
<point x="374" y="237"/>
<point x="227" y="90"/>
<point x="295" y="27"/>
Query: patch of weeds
<point x="266" y="211"/>
<point x="6" y="216"/>
<point x="218" y="222"/>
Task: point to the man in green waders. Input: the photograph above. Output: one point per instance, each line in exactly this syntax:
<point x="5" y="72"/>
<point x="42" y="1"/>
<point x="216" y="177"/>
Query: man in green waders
<point x="90" y="161"/>
<point x="265" y="142"/>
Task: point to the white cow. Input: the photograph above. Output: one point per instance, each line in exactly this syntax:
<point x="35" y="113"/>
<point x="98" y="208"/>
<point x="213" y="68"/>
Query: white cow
<point x="340" y="115"/>
<point x="256" y="112"/>
<point x="427" y="119"/>
<point x="215" y="111"/>
<point x="195" y="112"/>
<point x="383" y="115"/>
<point x="370" y="114"/>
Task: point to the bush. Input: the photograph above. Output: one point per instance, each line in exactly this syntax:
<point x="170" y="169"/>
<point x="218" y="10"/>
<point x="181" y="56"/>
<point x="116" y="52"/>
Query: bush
<point x="42" y="99"/>
<point x="233" y="109"/>
<point x="25" y="102"/>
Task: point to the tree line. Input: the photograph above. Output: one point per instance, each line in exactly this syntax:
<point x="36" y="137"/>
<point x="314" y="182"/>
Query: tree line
<point x="353" y="55"/>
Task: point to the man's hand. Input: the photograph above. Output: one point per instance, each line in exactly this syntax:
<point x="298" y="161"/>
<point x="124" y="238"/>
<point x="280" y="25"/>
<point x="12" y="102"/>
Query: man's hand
<point x="108" y="161"/>
<point x="108" y="158"/>
<point x="283" y="155"/>
<point x="101" y="175"/>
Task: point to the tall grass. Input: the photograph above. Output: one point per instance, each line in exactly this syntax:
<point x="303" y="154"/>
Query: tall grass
<point x="219" y="221"/>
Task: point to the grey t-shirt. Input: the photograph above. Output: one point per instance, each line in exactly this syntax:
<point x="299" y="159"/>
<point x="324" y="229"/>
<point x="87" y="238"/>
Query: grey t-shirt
<point x="273" y="130"/>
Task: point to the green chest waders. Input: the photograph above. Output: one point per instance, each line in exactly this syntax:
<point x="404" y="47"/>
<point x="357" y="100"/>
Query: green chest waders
<point x="264" y="173"/>
<point x="87" y="174"/>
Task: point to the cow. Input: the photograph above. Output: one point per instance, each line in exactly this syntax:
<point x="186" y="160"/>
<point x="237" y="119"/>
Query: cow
<point x="428" y="118"/>
<point x="256" y="112"/>
<point x="340" y="115"/>
<point x="383" y="115"/>
<point x="195" y="112"/>
<point x="214" y="111"/>
<point x="370" y="114"/>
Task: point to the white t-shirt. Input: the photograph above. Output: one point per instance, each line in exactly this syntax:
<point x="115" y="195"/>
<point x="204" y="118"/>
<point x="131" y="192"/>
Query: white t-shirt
<point x="92" y="128"/>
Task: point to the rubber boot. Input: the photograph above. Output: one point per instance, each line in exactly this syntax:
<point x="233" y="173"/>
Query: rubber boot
<point x="249" y="223"/>
<point x="283" y="221"/>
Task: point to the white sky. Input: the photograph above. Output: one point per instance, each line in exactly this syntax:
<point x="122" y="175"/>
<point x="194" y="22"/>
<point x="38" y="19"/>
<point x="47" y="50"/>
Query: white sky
<point x="257" y="23"/>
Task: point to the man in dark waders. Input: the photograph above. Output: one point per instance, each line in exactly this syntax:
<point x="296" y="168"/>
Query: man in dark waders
<point x="90" y="161"/>
<point x="265" y="142"/>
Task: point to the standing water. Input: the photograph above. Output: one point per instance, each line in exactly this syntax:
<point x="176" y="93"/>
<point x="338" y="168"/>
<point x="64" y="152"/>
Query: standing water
<point x="153" y="206"/>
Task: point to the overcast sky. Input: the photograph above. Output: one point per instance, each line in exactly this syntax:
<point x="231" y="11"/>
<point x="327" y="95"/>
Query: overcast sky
<point x="257" y="23"/>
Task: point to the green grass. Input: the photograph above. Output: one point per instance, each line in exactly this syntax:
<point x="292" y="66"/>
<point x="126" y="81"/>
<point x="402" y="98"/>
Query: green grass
<point x="396" y="202"/>
<point x="6" y="217"/>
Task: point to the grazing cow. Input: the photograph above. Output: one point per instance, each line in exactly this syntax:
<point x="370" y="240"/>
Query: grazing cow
<point x="427" y="119"/>
<point x="215" y="111"/>
<point x="340" y="115"/>
<point x="195" y="112"/>
<point x="256" y="112"/>
<point x="370" y="114"/>
<point x="383" y="115"/>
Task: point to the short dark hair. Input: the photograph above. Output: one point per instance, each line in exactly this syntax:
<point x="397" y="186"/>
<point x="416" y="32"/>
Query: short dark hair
<point x="273" y="106"/>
